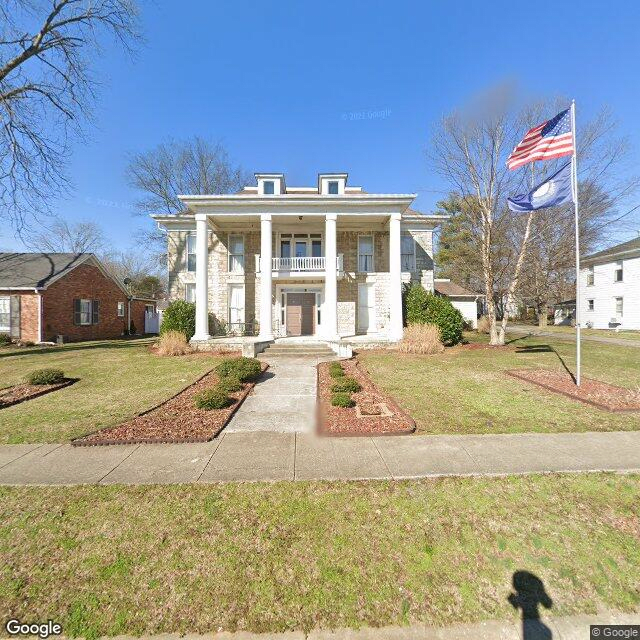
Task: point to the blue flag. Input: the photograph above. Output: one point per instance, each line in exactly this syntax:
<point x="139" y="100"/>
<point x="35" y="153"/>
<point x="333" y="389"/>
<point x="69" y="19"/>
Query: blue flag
<point x="553" y="191"/>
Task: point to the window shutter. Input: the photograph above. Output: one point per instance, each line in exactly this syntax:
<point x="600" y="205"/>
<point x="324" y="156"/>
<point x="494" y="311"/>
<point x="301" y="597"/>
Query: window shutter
<point x="95" y="312"/>
<point x="14" y="317"/>
<point x="77" y="312"/>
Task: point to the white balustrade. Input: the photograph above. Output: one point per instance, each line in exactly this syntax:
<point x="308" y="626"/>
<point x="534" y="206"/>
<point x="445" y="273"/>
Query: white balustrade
<point x="303" y="263"/>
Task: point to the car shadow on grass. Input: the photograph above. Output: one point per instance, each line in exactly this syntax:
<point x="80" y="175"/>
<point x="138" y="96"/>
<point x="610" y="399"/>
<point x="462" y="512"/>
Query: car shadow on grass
<point x="528" y="595"/>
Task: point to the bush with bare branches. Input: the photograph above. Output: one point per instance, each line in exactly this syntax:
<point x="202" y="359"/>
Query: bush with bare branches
<point x="421" y="338"/>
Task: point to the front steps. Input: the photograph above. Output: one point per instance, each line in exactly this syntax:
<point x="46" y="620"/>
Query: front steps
<point x="294" y="349"/>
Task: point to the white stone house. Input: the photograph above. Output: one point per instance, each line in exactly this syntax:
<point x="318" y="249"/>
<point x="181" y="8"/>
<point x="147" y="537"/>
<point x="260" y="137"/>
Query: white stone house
<point x="326" y="261"/>
<point x="610" y="287"/>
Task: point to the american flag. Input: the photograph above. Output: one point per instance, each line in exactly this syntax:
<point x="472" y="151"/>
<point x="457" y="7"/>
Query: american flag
<point x="551" y="139"/>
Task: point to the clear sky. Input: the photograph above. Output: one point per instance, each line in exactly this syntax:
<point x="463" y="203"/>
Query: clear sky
<point x="302" y="87"/>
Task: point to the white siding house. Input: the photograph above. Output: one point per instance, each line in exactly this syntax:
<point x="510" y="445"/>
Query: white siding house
<point x="610" y="287"/>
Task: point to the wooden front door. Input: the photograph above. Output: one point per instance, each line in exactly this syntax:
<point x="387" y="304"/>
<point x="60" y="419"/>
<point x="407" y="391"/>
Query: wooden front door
<point x="301" y="314"/>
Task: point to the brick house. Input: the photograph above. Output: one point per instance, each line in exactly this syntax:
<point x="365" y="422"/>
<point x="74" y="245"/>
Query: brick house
<point x="45" y="295"/>
<point x="327" y="261"/>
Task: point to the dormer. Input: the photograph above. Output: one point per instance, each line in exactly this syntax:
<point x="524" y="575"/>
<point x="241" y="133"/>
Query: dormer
<point x="271" y="184"/>
<point x="332" y="184"/>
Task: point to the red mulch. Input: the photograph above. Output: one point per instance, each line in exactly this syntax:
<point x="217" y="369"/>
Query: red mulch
<point x="176" y="420"/>
<point x="21" y="392"/>
<point x="593" y="392"/>
<point x="345" y="422"/>
<point x="483" y="346"/>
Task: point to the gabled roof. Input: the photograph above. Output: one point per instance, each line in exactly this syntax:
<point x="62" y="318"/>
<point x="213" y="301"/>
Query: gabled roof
<point x="629" y="249"/>
<point x="39" y="270"/>
<point x="453" y="290"/>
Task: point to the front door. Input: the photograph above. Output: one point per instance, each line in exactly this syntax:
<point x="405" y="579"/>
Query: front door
<point x="366" y="307"/>
<point x="300" y="314"/>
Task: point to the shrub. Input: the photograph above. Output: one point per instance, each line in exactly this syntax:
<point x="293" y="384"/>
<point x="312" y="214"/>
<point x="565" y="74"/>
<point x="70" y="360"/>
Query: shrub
<point x="342" y="399"/>
<point x="180" y="316"/>
<point x="214" y="398"/>
<point x="5" y="339"/>
<point x="230" y="384"/>
<point x="46" y="376"/>
<point x="173" y="343"/>
<point x="428" y="308"/>
<point x="336" y="370"/>
<point x="421" y="338"/>
<point x="245" y="369"/>
<point x="348" y="384"/>
<point x="484" y="326"/>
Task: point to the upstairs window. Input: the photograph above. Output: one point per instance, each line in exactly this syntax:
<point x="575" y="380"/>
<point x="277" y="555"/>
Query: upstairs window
<point x="332" y="187"/>
<point x="590" y="277"/>
<point x="268" y="187"/>
<point x="617" y="275"/>
<point x="408" y="256"/>
<point x="191" y="252"/>
<point x="365" y="254"/>
<point x="236" y="254"/>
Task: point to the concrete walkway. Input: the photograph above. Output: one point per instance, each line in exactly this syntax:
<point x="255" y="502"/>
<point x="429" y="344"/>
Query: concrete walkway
<point x="536" y="332"/>
<point x="258" y="455"/>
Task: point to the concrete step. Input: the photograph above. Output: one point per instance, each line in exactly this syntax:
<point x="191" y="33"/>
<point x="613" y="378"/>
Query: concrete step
<point x="299" y="352"/>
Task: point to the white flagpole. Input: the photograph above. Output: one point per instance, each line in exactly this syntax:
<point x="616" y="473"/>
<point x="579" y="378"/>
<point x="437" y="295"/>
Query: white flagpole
<point x="574" y="180"/>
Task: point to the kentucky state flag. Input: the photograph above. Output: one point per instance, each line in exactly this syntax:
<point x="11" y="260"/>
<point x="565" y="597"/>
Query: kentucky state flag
<point x="553" y="191"/>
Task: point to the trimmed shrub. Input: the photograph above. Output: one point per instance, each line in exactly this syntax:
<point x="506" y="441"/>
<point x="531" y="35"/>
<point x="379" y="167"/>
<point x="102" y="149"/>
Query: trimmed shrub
<point x="5" y="339"/>
<point x="179" y="316"/>
<point x="342" y="399"/>
<point x="336" y="370"/>
<point x="214" y="398"/>
<point x="421" y="338"/>
<point x="346" y="384"/>
<point x="245" y="369"/>
<point x="230" y="384"/>
<point x="46" y="376"/>
<point x="173" y="343"/>
<point x="428" y="308"/>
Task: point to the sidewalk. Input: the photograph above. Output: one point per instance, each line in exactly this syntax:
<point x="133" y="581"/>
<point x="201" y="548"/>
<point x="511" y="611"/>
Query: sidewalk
<point x="523" y="329"/>
<point x="256" y="456"/>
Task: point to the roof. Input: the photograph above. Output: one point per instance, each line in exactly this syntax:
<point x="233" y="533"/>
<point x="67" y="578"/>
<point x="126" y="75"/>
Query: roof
<point x="453" y="290"/>
<point x="566" y="303"/>
<point x="39" y="270"/>
<point x="619" y="250"/>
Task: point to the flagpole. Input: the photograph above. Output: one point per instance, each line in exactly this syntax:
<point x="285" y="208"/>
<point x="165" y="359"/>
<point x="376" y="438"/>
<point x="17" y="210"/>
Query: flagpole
<point x="574" y="176"/>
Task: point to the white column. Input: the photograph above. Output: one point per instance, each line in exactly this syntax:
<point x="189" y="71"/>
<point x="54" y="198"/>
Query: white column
<point x="202" y="278"/>
<point x="330" y="310"/>
<point x="395" y="279"/>
<point x="266" y="313"/>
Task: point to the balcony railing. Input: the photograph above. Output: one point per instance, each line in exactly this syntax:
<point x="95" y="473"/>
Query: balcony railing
<point x="306" y="263"/>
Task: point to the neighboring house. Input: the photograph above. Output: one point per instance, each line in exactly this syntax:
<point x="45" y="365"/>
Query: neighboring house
<point x="325" y="261"/>
<point x="46" y="295"/>
<point x="467" y="302"/>
<point x="564" y="313"/>
<point x="610" y="287"/>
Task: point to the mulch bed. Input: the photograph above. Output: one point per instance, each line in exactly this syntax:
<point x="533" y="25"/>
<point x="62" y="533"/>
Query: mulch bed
<point x="339" y="421"/>
<point x="173" y="421"/>
<point x="594" y="392"/>
<point x="22" y="392"/>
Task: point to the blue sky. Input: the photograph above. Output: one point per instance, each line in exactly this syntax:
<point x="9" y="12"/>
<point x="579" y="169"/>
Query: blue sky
<point x="302" y="87"/>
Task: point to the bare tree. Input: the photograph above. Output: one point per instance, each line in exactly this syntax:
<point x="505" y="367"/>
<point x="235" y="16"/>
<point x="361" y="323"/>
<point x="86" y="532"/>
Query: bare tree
<point x="140" y="268"/>
<point x="47" y="91"/>
<point x="470" y="148"/>
<point x="61" y="236"/>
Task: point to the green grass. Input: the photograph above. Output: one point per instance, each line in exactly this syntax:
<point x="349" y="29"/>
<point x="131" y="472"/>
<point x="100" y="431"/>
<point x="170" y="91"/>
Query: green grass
<point x="465" y="391"/>
<point x="271" y="557"/>
<point x="570" y="331"/>
<point x="117" y="379"/>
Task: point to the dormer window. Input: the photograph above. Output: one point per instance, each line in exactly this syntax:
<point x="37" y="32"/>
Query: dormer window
<point x="332" y="187"/>
<point x="332" y="183"/>
<point x="271" y="184"/>
<point x="269" y="188"/>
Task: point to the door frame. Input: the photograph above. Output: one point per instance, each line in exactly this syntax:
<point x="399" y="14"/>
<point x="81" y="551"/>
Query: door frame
<point x="372" y="325"/>
<point x="281" y="297"/>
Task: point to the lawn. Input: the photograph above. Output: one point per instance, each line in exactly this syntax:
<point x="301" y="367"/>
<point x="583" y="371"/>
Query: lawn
<point x="117" y="379"/>
<point x="571" y="331"/>
<point x="272" y="557"/>
<point x="468" y="391"/>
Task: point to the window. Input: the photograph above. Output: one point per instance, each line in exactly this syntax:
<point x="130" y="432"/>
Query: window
<point x="236" y="306"/>
<point x="618" y="306"/>
<point x="236" y="254"/>
<point x="590" y="277"/>
<point x="269" y="188"/>
<point x="332" y="187"/>
<point x="5" y="314"/>
<point x="191" y="252"/>
<point x="365" y="253"/>
<point x="120" y="309"/>
<point x="149" y="308"/>
<point x="86" y="312"/>
<point x="590" y="305"/>
<point x="617" y="276"/>
<point x="408" y="260"/>
<point x="303" y="244"/>
<point x="190" y="292"/>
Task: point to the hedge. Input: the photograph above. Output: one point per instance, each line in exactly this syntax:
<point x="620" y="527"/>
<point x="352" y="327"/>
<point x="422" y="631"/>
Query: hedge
<point x="180" y="316"/>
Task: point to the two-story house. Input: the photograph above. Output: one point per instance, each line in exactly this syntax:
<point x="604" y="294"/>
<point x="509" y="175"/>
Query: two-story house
<point x="610" y="287"/>
<point x="272" y="260"/>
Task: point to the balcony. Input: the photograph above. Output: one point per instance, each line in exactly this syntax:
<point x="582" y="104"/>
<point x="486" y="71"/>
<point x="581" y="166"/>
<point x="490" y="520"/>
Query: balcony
<point x="301" y="265"/>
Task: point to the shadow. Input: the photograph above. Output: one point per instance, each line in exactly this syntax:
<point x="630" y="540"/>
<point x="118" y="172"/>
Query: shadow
<point x="115" y="343"/>
<point x="265" y="375"/>
<point x="517" y="339"/>
<point x="545" y="348"/>
<point x="527" y="595"/>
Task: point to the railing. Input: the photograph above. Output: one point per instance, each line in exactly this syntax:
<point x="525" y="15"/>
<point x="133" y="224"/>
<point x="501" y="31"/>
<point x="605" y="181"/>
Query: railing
<point x="306" y="263"/>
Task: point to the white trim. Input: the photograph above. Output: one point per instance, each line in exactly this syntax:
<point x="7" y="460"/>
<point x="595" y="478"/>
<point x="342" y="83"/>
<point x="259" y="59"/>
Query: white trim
<point x="372" y="320"/>
<point x="283" y="289"/>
